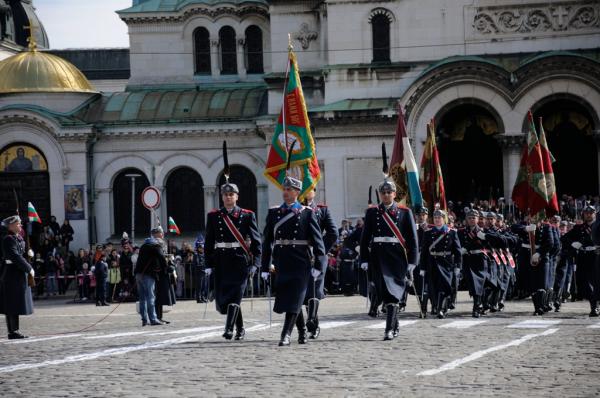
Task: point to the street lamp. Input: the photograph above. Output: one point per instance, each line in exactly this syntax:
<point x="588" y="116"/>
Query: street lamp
<point x="133" y="177"/>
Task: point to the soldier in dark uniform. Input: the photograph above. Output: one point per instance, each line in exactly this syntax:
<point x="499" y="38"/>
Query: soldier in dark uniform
<point x="580" y="238"/>
<point x="291" y="231"/>
<point x="422" y="278"/>
<point x="442" y="259"/>
<point x="389" y="249"/>
<point x="315" y="291"/>
<point x="552" y="262"/>
<point x="540" y="262"/>
<point x="494" y="242"/>
<point x="15" y="275"/>
<point x="475" y="259"/>
<point x="523" y="279"/>
<point x="564" y="263"/>
<point x="232" y="249"/>
<point x="507" y="270"/>
<point x="594" y="273"/>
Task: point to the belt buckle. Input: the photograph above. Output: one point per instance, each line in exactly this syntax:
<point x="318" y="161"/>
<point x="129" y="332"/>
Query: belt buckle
<point x="287" y="242"/>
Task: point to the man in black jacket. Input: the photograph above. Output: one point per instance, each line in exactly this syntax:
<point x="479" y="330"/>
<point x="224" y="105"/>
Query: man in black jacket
<point x="15" y="293"/>
<point x="150" y="261"/>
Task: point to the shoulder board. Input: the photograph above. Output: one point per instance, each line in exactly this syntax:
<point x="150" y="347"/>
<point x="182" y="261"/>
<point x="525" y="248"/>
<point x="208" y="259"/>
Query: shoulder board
<point x="402" y="206"/>
<point x="213" y="211"/>
<point x="273" y="207"/>
<point x="322" y="206"/>
<point x="246" y="211"/>
<point x="431" y="225"/>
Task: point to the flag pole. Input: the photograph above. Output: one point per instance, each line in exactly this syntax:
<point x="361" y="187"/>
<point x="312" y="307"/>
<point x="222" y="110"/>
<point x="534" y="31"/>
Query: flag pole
<point x="287" y="73"/>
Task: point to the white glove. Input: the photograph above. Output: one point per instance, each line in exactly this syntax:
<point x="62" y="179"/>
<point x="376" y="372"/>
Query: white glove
<point x="264" y="275"/>
<point x="463" y="251"/>
<point x="576" y="245"/>
<point x="175" y="274"/>
<point x="253" y="269"/>
<point x="357" y="249"/>
<point x="30" y="253"/>
<point x="530" y="228"/>
<point x="315" y="273"/>
<point x="32" y="273"/>
<point x="411" y="268"/>
<point x="422" y="272"/>
<point x="481" y="235"/>
<point x="208" y="271"/>
<point x="364" y="266"/>
<point x="535" y="258"/>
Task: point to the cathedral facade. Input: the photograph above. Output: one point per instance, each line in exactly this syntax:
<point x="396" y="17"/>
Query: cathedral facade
<point x="206" y="71"/>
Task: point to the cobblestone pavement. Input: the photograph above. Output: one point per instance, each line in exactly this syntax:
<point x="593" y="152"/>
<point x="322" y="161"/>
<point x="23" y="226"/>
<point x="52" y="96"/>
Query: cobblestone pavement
<point x="507" y="354"/>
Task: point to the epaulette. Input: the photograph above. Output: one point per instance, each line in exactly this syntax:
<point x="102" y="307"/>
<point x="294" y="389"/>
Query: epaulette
<point x="247" y="211"/>
<point x="213" y="211"/>
<point x="322" y="205"/>
<point x="402" y="206"/>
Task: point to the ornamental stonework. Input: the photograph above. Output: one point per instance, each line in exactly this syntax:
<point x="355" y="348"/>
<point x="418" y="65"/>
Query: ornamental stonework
<point x="536" y="19"/>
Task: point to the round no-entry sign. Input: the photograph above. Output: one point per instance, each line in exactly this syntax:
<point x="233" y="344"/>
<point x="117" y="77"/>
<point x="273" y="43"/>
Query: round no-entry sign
<point x="151" y="198"/>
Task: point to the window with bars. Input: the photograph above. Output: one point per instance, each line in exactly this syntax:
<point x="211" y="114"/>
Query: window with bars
<point x="381" y="37"/>
<point x="202" y="51"/>
<point x="254" y="49"/>
<point x="228" y="51"/>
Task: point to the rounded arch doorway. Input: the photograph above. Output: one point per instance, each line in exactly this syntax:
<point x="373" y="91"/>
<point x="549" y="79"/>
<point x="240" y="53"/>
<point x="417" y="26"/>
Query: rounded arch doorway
<point x="185" y="199"/>
<point x="246" y="182"/>
<point x="470" y="157"/>
<point x="569" y="126"/>
<point x="122" y="203"/>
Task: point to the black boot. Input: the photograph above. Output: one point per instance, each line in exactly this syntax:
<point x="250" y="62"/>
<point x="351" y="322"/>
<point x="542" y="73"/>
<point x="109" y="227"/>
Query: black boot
<point x="442" y="306"/>
<point x="424" y="299"/>
<point x="12" y="323"/>
<point x="240" y="332"/>
<point x="557" y="301"/>
<point x="374" y="307"/>
<point x="302" y="334"/>
<point x="232" y="311"/>
<point x="312" y="324"/>
<point x="288" y="326"/>
<point x="452" y="301"/>
<point x="538" y="302"/>
<point x="594" y="310"/>
<point x="476" y="306"/>
<point x="390" y="322"/>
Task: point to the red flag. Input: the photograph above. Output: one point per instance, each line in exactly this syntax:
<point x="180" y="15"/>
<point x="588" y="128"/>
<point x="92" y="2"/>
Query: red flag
<point x="432" y="181"/>
<point x="547" y="160"/>
<point x="530" y="191"/>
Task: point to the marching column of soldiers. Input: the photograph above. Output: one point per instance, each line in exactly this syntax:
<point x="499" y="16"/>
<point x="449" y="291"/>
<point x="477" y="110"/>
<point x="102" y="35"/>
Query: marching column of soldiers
<point x="400" y="255"/>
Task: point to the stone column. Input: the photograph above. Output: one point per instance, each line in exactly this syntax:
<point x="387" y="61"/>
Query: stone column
<point x="241" y="57"/>
<point x="262" y="204"/>
<point x="210" y="199"/>
<point x="512" y="146"/>
<point x="215" y="58"/>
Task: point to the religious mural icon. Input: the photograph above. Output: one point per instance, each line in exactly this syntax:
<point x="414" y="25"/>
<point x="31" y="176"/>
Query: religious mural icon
<point x="22" y="158"/>
<point x="74" y="209"/>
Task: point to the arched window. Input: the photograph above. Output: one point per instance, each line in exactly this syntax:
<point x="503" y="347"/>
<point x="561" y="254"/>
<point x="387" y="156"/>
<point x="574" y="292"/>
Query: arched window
<point x="122" y="203"/>
<point x="202" y="51"/>
<point x="228" y="51"/>
<point x="380" y="25"/>
<point x="254" y="49"/>
<point x="185" y="200"/>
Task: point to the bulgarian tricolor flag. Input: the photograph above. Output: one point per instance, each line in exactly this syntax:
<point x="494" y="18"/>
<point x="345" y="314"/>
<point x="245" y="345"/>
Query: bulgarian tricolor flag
<point x="172" y="227"/>
<point x="432" y="181"/>
<point x="293" y="124"/>
<point x="403" y="167"/>
<point x="32" y="213"/>
<point x="530" y="192"/>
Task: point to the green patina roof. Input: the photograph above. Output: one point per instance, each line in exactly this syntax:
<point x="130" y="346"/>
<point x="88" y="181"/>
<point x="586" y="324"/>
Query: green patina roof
<point x="176" y="5"/>
<point x="357" y="105"/>
<point x="161" y="106"/>
<point x="460" y="58"/>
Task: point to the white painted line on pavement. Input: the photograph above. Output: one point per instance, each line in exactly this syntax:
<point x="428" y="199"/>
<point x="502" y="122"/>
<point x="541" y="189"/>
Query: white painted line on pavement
<point x="121" y="350"/>
<point x="534" y="324"/>
<point x="381" y="325"/>
<point x="189" y="330"/>
<point x="33" y="340"/>
<point x="108" y="336"/>
<point x="333" y="324"/>
<point x="482" y="353"/>
<point x="461" y="324"/>
<point x="595" y="326"/>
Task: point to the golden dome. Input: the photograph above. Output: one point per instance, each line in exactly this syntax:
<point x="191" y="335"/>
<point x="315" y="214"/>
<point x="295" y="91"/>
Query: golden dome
<point x="38" y="72"/>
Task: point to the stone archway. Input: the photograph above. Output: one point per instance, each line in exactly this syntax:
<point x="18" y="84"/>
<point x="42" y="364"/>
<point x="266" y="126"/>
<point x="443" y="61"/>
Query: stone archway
<point x="122" y="203"/>
<point x="185" y="199"/>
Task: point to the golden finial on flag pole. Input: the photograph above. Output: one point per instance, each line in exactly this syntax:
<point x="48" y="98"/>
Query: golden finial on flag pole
<point x="290" y="47"/>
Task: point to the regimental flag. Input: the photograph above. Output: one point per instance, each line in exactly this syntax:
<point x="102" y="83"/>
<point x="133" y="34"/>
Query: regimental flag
<point x="432" y="181"/>
<point x="172" y="227"/>
<point x="293" y="124"/>
<point x="32" y="214"/>
<point x="530" y="191"/>
<point x="403" y="168"/>
<point x="547" y="159"/>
